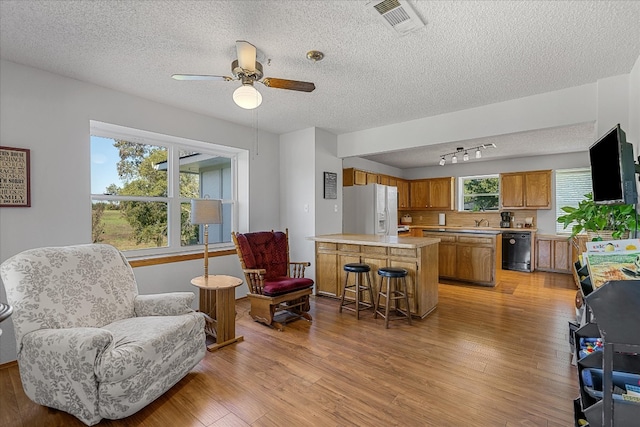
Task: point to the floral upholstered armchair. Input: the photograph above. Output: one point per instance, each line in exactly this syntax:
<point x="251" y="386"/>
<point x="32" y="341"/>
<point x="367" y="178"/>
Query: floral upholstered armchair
<point x="87" y="343"/>
<point x="276" y="285"/>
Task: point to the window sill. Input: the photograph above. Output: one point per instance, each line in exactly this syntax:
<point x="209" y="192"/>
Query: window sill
<point x="142" y="261"/>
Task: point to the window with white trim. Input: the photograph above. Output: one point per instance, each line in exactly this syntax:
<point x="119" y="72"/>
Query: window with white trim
<point x="571" y="187"/>
<point x="478" y="193"/>
<point x="142" y="184"/>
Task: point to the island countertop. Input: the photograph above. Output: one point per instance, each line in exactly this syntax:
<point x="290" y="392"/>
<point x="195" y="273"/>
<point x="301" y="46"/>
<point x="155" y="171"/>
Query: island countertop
<point x="375" y="240"/>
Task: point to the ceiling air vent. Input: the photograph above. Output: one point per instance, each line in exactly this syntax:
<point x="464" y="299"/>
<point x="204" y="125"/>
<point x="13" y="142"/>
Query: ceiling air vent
<point x="397" y="15"/>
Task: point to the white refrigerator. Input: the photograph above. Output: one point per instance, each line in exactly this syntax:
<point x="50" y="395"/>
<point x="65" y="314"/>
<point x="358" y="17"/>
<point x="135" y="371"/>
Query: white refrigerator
<point x="370" y="209"/>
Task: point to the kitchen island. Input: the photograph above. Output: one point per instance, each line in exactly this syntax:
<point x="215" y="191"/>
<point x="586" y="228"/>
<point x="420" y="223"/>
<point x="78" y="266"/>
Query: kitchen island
<point x="418" y="255"/>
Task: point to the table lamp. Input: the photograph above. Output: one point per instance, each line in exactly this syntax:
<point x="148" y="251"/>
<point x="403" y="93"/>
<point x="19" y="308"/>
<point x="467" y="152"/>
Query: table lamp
<point x="206" y="211"/>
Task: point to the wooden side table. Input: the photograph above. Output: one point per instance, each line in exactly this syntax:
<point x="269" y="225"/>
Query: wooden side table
<point x="218" y="303"/>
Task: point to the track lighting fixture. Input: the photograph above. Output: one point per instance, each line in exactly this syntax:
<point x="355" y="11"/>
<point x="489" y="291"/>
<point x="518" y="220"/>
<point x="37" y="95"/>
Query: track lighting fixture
<point x="465" y="157"/>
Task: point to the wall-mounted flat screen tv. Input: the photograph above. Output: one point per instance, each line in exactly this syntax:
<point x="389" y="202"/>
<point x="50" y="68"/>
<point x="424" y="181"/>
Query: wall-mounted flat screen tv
<point x="612" y="169"/>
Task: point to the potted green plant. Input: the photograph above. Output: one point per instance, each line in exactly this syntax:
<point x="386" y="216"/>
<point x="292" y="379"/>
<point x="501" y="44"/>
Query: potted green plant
<point x="599" y="221"/>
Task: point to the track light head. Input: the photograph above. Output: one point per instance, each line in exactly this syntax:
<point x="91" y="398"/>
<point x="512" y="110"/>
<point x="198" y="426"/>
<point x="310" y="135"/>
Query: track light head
<point x="465" y="157"/>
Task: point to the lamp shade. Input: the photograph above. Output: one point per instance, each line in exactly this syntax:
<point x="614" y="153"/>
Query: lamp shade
<point x="247" y="97"/>
<point x="206" y="211"/>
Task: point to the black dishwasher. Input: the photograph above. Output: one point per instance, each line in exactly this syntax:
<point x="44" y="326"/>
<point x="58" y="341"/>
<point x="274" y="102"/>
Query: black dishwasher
<point x="516" y="251"/>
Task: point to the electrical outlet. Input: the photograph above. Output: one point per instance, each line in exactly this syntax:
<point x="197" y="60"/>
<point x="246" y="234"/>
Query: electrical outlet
<point x="306" y="207"/>
<point x="335" y="208"/>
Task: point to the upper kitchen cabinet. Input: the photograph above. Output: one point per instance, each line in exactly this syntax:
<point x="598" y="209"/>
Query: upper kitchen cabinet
<point x="403" y="193"/>
<point x="525" y="190"/>
<point x="434" y="193"/>
<point x="351" y="176"/>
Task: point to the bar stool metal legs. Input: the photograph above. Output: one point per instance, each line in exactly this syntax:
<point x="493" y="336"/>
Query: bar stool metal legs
<point x="357" y="303"/>
<point x="395" y="290"/>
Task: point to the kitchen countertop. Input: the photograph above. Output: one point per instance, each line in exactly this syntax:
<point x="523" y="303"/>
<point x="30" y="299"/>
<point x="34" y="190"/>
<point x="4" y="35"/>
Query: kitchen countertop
<point x="375" y="240"/>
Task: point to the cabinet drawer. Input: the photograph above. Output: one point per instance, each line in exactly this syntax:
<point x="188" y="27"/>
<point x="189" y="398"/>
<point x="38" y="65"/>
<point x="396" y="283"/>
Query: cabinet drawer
<point x="324" y="246"/>
<point x="378" y="250"/>
<point x="444" y="237"/>
<point x="348" y="248"/>
<point x="476" y="240"/>
<point x="403" y="252"/>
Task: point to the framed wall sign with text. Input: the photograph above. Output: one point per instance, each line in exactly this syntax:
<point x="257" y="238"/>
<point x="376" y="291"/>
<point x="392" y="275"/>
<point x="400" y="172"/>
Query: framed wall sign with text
<point x="15" y="186"/>
<point x="330" y="185"/>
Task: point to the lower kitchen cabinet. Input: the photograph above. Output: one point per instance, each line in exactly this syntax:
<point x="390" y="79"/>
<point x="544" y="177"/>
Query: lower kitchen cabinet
<point x="553" y="253"/>
<point x="420" y="262"/>
<point x="475" y="263"/>
<point x="468" y="257"/>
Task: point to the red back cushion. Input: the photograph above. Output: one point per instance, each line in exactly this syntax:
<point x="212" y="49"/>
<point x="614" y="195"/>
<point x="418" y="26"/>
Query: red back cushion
<point x="265" y="249"/>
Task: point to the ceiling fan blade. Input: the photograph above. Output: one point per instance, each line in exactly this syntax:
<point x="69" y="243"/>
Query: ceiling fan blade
<point x="246" y="55"/>
<point x="288" y="84"/>
<point x="200" y="77"/>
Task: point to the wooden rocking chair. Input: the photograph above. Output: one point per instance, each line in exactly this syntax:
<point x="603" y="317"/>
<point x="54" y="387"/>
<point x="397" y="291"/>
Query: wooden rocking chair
<point x="277" y="287"/>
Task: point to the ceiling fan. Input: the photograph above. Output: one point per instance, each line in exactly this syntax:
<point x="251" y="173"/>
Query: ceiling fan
<point x="248" y="70"/>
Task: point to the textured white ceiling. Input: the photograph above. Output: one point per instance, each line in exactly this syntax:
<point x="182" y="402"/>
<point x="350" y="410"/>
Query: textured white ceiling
<point x="470" y="53"/>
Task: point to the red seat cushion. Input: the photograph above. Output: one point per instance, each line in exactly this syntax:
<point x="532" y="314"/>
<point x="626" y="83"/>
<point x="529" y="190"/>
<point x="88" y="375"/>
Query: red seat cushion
<point x="283" y="285"/>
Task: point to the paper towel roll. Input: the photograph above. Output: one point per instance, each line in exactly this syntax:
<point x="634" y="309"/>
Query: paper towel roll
<point x="441" y="219"/>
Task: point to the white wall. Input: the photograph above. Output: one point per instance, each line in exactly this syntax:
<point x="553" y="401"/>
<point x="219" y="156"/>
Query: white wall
<point x="297" y="199"/>
<point x="613" y="103"/>
<point x="50" y="115"/>
<point x="304" y="156"/>
<point x="371" y="166"/>
<point x="328" y="211"/>
<point x="553" y="109"/>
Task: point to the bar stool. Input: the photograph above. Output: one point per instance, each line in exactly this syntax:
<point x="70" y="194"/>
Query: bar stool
<point x="395" y="290"/>
<point x="357" y="288"/>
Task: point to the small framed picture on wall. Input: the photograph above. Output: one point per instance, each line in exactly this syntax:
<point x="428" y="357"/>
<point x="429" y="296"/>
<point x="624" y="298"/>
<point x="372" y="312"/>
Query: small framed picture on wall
<point x="15" y="185"/>
<point x="330" y="185"/>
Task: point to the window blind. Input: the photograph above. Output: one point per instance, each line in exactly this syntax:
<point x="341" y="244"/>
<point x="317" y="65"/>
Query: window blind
<point x="571" y="186"/>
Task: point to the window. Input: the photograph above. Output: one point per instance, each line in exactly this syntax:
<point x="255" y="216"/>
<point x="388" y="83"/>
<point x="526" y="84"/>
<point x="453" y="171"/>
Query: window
<point x="571" y="186"/>
<point x="142" y="185"/>
<point x="478" y="193"/>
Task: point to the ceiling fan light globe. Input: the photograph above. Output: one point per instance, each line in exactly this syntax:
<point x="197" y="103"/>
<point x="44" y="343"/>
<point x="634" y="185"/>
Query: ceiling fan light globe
<point x="247" y="97"/>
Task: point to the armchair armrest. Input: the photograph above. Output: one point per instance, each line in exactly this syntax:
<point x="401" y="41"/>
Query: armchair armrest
<point x="58" y="368"/>
<point x="165" y="304"/>
<point x="297" y="268"/>
<point x="255" y="279"/>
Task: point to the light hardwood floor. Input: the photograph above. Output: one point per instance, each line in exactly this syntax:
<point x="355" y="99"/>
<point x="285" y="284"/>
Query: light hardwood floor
<point x="485" y="357"/>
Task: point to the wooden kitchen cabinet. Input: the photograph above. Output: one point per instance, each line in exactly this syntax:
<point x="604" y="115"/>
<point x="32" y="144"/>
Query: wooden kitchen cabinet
<point x="475" y="263"/>
<point x="553" y="253"/>
<point x="419" y="193"/>
<point x="468" y="257"/>
<point x="420" y="262"/>
<point x="351" y="176"/>
<point x="372" y="178"/>
<point x="326" y="269"/>
<point x="525" y="190"/>
<point x="434" y="193"/>
<point x="403" y="193"/>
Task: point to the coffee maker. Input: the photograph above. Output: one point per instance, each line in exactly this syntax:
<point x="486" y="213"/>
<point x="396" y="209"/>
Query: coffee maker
<point x="506" y="219"/>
